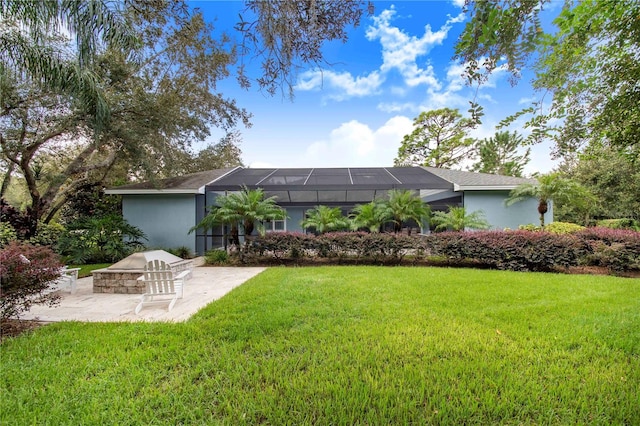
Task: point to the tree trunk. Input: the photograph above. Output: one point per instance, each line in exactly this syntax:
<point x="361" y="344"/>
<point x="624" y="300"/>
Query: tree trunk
<point x="7" y="178"/>
<point x="542" y="209"/>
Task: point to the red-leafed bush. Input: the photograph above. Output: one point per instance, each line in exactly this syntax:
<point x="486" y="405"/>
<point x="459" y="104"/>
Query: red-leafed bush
<point x="358" y="247"/>
<point x="26" y="272"/>
<point x="616" y="249"/>
<point x="362" y="246"/>
<point x="510" y="250"/>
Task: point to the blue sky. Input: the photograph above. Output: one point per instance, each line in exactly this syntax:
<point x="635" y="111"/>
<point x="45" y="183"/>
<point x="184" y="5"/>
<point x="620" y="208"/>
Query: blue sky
<point x="396" y="64"/>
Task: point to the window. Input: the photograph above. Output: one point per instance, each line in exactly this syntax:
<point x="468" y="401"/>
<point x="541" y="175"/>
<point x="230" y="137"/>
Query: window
<point x="275" y="225"/>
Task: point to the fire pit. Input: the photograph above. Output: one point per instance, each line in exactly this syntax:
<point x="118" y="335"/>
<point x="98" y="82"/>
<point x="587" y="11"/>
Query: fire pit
<point x="122" y="277"/>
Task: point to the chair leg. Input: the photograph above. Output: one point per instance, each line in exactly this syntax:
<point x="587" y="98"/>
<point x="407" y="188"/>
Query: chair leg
<point x="141" y="304"/>
<point x="173" y="302"/>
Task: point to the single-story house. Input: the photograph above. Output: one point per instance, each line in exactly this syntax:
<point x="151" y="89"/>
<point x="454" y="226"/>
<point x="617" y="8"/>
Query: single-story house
<point x="167" y="209"/>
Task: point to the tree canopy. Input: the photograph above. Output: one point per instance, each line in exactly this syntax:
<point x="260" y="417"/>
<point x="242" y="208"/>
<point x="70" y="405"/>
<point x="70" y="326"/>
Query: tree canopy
<point x="126" y="88"/>
<point x="500" y="155"/>
<point x="588" y="61"/>
<point x="439" y="139"/>
<point x="36" y="46"/>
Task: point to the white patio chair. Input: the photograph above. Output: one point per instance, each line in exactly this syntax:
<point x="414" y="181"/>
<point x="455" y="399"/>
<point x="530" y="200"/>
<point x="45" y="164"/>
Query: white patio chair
<point x="68" y="278"/>
<point x="161" y="285"/>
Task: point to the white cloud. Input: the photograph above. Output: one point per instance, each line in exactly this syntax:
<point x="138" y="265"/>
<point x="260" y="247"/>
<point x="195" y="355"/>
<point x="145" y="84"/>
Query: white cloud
<point x="345" y="85"/>
<point x="454" y="77"/>
<point x="400" y="50"/>
<point x="396" y="107"/>
<point x="459" y="3"/>
<point x="355" y="144"/>
<point x="400" y="53"/>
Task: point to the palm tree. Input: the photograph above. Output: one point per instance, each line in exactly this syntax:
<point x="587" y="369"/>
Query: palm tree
<point x="370" y="216"/>
<point x="247" y="208"/>
<point x="403" y="205"/>
<point x="325" y="219"/>
<point x="550" y="187"/>
<point x="457" y="219"/>
<point x="31" y="45"/>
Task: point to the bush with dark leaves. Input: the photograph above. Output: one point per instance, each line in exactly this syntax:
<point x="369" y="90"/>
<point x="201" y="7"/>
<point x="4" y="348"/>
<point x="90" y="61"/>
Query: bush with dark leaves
<point x="26" y="274"/>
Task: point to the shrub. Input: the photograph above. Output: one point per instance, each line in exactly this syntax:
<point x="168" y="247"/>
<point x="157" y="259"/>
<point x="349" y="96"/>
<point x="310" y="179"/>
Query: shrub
<point x="619" y="224"/>
<point x="182" y="251"/>
<point x="513" y="250"/>
<point x="7" y="234"/>
<point x="216" y="257"/>
<point x="563" y="228"/>
<point x="529" y="227"/>
<point x="47" y="234"/>
<point x="20" y="221"/>
<point x="617" y="249"/>
<point x="281" y="245"/>
<point x="100" y="240"/>
<point x="26" y="272"/>
<point x="510" y="250"/>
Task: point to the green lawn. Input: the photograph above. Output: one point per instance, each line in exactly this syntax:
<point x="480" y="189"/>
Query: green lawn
<point x="85" y="270"/>
<point x="349" y="345"/>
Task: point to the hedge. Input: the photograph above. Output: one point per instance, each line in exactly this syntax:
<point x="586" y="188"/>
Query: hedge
<point x="618" y="250"/>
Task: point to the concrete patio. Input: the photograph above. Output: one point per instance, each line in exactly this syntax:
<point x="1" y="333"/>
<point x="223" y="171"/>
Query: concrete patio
<point x="206" y="285"/>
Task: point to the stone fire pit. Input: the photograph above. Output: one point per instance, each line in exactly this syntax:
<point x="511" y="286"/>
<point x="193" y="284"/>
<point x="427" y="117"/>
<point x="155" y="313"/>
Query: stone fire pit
<point x="122" y="277"/>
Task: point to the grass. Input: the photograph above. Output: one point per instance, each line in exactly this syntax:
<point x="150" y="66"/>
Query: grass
<point x="85" y="270"/>
<point x="349" y="345"/>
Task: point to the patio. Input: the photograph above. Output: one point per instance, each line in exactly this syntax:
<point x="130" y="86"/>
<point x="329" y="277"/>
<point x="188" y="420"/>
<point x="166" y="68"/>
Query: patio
<point x="206" y="285"/>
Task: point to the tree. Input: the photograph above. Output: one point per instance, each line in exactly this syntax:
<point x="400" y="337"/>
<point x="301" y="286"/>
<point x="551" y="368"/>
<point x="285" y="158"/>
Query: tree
<point x="499" y="155"/>
<point x="290" y="34"/>
<point x="158" y="106"/>
<point x="35" y="46"/>
<point x="248" y="208"/>
<point x="404" y="205"/>
<point x="550" y="187"/>
<point x="613" y="177"/>
<point x="325" y="219"/>
<point x="370" y="216"/>
<point x="438" y="140"/>
<point x="457" y="219"/>
<point x="588" y="63"/>
<point x="226" y="153"/>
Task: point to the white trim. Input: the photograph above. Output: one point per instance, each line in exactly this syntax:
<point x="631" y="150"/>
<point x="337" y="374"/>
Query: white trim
<point x="150" y="191"/>
<point x="307" y="179"/>
<point x="284" y="222"/>
<point x="457" y="187"/>
<point x="201" y="190"/>
<point x="391" y="174"/>
<point x="266" y="177"/>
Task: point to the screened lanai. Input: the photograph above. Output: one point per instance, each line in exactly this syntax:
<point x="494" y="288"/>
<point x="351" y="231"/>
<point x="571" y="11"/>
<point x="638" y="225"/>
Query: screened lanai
<point x="333" y="186"/>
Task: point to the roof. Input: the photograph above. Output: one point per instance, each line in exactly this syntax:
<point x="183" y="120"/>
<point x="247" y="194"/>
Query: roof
<point x="346" y="184"/>
<point x="330" y="185"/>
<point x="331" y="178"/>
<point x="193" y="183"/>
<point x="472" y="181"/>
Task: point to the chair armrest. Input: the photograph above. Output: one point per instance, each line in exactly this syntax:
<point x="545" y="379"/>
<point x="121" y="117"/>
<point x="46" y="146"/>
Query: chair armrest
<point x="182" y="275"/>
<point x="70" y="272"/>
